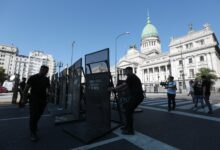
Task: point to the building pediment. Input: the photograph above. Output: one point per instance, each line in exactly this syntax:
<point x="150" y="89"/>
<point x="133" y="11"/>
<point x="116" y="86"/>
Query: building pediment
<point x="126" y="63"/>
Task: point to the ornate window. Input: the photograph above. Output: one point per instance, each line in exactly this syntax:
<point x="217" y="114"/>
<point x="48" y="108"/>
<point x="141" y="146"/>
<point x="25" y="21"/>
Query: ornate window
<point x="181" y="74"/>
<point x="190" y="60"/>
<point x="201" y="58"/>
<point x="190" y="45"/>
<point x="180" y="62"/>
<point x="191" y="73"/>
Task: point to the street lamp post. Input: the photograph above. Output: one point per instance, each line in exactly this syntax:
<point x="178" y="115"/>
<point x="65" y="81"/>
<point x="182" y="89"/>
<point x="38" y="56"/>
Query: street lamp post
<point x="116" y="52"/>
<point x="183" y="76"/>
<point x="59" y="65"/>
<point x="72" y="52"/>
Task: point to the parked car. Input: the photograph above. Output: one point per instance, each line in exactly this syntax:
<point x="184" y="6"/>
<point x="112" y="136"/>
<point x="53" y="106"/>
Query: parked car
<point x="3" y="89"/>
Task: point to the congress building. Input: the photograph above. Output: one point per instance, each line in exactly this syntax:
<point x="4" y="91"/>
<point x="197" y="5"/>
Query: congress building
<point x="186" y="55"/>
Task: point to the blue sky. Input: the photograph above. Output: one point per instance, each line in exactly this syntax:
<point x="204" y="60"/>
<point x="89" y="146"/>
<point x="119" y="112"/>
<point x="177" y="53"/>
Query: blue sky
<point x="52" y="25"/>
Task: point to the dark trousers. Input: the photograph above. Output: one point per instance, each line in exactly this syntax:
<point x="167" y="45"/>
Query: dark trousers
<point x="37" y="107"/>
<point x="206" y="98"/>
<point x="171" y="98"/>
<point x="21" y="97"/>
<point x="129" y="110"/>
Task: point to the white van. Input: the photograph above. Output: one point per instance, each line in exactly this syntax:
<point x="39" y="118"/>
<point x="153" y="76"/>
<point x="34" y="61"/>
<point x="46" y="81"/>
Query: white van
<point x="8" y="85"/>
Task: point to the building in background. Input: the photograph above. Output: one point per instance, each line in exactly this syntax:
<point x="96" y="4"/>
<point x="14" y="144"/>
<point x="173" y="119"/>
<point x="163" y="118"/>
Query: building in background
<point x="39" y="58"/>
<point x="22" y="65"/>
<point x="8" y="55"/>
<point x="186" y="55"/>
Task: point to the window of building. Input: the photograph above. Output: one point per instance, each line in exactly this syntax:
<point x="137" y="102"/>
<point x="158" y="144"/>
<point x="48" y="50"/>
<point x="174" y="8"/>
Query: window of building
<point x="202" y="42"/>
<point x="180" y="62"/>
<point x="181" y="73"/>
<point x="156" y="70"/>
<point x="190" y="45"/>
<point x="201" y="58"/>
<point x="190" y="60"/>
<point x="191" y="73"/>
<point x="179" y="47"/>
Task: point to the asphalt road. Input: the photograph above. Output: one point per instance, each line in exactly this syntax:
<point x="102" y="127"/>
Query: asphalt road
<point x="155" y="129"/>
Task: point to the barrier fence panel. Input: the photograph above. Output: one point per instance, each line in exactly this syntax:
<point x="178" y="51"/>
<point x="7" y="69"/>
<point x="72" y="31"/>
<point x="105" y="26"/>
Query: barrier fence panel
<point x="70" y="94"/>
<point x="98" y="112"/>
<point x="63" y="89"/>
<point x="74" y="88"/>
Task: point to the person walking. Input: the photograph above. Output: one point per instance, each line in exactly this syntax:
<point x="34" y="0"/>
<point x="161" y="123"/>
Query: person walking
<point x="22" y="85"/>
<point x="198" y="91"/>
<point x="206" y="84"/>
<point x="39" y="85"/>
<point x="191" y="90"/>
<point x="135" y="92"/>
<point x="171" y="93"/>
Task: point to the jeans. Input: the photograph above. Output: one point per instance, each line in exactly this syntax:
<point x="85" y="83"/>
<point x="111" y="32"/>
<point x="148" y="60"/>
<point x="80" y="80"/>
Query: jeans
<point x="207" y="102"/>
<point x="171" y="98"/>
<point x="197" y="99"/>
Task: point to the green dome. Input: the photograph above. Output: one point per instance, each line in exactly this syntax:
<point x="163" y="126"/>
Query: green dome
<point x="149" y="30"/>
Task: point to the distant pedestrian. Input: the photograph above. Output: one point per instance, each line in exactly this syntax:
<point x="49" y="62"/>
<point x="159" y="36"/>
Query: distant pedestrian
<point x="198" y="91"/>
<point x="206" y="84"/>
<point x="22" y="85"/>
<point x="135" y="92"/>
<point x="171" y="93"/>
<point x="191" y="90"/>
<point x="39" y="85"/>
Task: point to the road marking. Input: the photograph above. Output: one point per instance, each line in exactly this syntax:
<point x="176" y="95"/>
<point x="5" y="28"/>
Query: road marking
<point x="18" y="118"/>
<point x="153" y="101"/>
<point x="188" y="106"/>
<point x="97" y="144"/>
<point x="157" y="103"/>
<point x="140" y="140"/>
<point x="8" y="107"/>
<point x="183" y="113"/>
<point x="145" y="142"/>
<point x="178" y="103"/>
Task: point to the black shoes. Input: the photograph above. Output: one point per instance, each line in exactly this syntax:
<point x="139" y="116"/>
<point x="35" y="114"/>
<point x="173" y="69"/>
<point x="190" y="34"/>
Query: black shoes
<point x="33" y="137"/>
<point x="123" y="128"/>
<point x="125" y="131"/>
<point x="210" y="112"/>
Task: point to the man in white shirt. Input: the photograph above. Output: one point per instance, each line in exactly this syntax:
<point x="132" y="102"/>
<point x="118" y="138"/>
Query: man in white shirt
<point x="171" y="93"/>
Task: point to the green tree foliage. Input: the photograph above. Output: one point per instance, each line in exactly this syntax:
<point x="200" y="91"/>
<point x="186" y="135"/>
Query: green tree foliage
<point x="2" y="75"/>
<point x="210" y="74"/>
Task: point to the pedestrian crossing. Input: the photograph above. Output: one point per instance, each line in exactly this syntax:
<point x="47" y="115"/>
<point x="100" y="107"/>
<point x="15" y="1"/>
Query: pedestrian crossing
<point x="180" y="104"/>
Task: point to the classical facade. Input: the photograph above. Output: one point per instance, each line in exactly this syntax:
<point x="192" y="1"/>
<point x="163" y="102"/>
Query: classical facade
<point x="186" y="55"/>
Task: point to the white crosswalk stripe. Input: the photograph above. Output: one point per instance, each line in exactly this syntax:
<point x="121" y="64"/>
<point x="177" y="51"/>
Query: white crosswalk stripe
<point x="180" y="104"/>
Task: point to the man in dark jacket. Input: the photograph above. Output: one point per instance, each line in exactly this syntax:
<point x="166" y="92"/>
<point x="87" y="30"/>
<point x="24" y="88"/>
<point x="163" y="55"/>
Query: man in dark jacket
<point x="39" y="85"/>
<point x="206" y="84"/>
<point x="22" y="85"/>
<point x="133" y="85"/>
